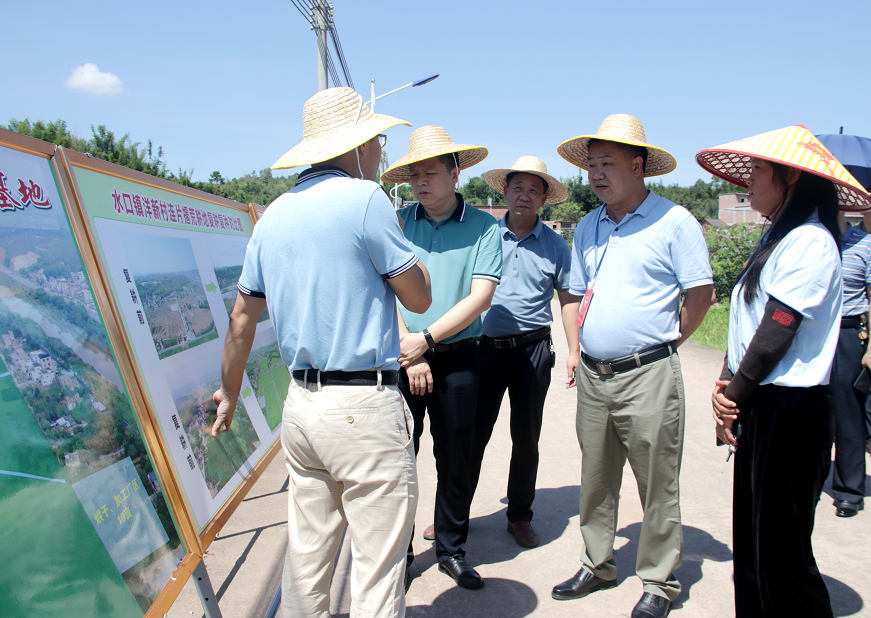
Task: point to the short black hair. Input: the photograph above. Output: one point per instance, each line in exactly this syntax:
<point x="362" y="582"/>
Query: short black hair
<point x="632" y="151"/>
<point x="449" y="160"/>
<point x="509" y="176"/>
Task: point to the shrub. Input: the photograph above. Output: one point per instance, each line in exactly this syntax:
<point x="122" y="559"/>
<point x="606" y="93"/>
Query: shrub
<point x="729" y="248"/>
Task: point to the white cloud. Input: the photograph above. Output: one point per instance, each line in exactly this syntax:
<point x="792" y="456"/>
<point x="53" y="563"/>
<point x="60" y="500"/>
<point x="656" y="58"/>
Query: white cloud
<point x="90" y="79"/>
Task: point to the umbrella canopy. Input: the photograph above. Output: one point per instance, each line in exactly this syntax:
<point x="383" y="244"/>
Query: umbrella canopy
<point x="853" y="152"/>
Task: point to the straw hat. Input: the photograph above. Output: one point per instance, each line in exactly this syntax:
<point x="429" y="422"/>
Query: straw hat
<point x="334" y="121"/>
<point x="794" y="146"/>
<point x="498" y="179"/>
<point x="624" y="129"/>
<point x="427" y="142"/>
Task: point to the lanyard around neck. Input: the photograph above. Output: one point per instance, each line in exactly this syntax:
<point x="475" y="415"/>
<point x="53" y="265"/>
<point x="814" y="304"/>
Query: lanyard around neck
<point x="596" y="259"/>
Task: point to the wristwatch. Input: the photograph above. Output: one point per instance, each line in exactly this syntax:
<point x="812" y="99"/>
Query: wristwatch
<point x="429" y="340"/>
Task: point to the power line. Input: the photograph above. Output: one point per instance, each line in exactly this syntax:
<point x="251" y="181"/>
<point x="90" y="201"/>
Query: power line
<point x="301" y="11"/>
<point x="341" y="54"/>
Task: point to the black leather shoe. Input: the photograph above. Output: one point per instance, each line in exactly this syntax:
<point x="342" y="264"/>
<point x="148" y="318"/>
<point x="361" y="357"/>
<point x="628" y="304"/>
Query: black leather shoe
<point x="651" y="606"/>
<point x="461" y="572"/>
<point x="579" y="586"/>
<point x="845" y="508"/>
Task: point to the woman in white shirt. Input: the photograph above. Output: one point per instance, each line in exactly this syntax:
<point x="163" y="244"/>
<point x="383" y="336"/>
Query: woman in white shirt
<point x="772" y="400"/>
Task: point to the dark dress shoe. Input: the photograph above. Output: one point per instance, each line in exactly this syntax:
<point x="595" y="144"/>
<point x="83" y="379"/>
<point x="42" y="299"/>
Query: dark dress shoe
<point x="461" y="572"/>
<point x="845" y="508"/>
<point x="429" y="533"/>
<point x="579" y="586"/>
<point x="407" y="577"/>
<point x="523" y="533"/>
<point x="651" y="606"/>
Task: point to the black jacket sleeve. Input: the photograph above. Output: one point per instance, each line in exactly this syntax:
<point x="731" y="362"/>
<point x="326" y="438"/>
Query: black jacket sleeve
<point x="773" y="337"/>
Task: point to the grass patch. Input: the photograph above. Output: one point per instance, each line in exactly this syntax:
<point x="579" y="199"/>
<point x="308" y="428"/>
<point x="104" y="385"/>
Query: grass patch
<point x="714" y="330"/>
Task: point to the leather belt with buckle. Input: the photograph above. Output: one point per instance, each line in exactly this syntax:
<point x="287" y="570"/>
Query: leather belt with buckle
<point x="608" y="367"/>
<point x="347" y="378"/>
<point x="447" y="347"/>
<point x="517" y="340"/>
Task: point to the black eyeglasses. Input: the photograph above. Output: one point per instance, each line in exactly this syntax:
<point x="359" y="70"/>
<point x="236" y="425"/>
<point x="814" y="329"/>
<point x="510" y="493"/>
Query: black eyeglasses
<point x="382" y="139"/>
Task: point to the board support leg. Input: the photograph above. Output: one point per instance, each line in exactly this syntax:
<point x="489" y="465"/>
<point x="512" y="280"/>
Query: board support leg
<point x="206" y="592"/>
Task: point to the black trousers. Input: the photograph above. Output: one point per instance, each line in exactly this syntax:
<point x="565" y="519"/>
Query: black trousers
<point x="451" y="407"/>
<point x="848" y="478"/>
<point x="783" y="458"/>
<point x="525" y="373"/>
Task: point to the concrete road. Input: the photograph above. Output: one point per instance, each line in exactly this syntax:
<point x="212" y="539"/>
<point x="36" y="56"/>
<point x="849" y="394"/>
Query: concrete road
<point x="245" y="561"/>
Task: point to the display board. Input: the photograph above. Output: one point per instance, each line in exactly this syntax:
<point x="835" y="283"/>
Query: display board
<point x="85" y="491"/>
<point x="171" y="258"/>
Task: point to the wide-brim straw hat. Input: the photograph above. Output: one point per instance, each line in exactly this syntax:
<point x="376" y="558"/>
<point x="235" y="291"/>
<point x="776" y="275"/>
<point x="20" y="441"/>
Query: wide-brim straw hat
<point x="623" y="129"/>
<point x="334" y="122"/>
<point x="794" y="146"/>
<point x="428" y="142"/>
<point x="498" y="178"/>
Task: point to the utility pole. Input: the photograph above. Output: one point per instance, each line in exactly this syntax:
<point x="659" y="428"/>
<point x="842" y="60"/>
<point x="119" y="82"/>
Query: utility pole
<point x="322" y="20"/>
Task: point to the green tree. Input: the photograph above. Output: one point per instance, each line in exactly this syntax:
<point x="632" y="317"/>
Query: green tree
<point x="729" y="248"/>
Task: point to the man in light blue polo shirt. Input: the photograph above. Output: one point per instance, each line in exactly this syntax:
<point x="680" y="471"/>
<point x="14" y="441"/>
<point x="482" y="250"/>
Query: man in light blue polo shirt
<point x="330" y="258"/>
<point x="516" y="349"/>
<point x="631" y="258"/>
<point x="460" y="246"/>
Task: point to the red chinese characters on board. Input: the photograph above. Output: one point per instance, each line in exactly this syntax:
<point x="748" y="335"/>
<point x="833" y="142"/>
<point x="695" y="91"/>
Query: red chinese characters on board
<point x="30" y="194"/>
<point x="143" y="207"/>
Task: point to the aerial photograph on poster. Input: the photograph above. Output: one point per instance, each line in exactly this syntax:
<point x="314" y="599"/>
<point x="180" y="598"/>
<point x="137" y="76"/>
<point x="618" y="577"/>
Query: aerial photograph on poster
<point x="218" y="459"/>
<point x="171" y="291"/>
<point x="227" y="260"/>
<point x="269" y="376"/>
<point x="67" y="420"/>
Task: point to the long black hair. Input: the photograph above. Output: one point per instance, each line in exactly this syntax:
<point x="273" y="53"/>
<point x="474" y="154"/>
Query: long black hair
<point x="812" y="193"/>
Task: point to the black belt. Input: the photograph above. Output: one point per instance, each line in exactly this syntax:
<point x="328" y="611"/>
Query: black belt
<point x="517" y="340"/>
<point x="447" y="347"/>
<point x="852" y="321"/>
<point x="347" y="378"/>
<point x="630" y="361"/>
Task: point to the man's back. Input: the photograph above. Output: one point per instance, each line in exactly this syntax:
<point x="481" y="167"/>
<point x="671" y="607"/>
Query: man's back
<point x="324" y="252"/>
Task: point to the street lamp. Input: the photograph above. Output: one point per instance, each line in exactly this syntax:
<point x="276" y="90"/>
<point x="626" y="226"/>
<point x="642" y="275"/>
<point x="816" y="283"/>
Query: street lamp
<point x="394" y="193"/>
<point x="415" y="84"/>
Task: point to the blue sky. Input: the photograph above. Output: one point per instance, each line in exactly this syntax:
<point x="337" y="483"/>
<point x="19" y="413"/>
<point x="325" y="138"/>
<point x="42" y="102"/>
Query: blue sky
<point x="148" y="254"/>
<point x="221" y="85"/>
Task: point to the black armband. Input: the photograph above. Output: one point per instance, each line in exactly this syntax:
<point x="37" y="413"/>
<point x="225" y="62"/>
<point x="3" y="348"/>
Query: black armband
<point x="773" y="338"/>
<point x="726" y="373"/>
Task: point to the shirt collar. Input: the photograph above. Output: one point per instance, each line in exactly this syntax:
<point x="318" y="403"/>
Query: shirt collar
<point x="321" y="171"/>
<point x="642" y="210"/>
<point x="539" y="226"/>
<point x="458" y="215"/>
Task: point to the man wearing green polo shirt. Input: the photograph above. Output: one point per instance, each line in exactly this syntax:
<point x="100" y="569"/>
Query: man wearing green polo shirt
<point x="461" y="248"/>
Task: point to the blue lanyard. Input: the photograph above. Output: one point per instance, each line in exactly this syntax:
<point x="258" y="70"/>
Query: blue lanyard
<point x="596" y="253"/>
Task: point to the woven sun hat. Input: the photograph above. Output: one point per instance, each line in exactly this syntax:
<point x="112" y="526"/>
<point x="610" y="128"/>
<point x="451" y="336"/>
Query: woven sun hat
<point x="428" y="142"/>
<point x="794" y="146"/>
<point x="334" y="121"/>
<point x="498" y="179"/>
<point x="624" y="129"/>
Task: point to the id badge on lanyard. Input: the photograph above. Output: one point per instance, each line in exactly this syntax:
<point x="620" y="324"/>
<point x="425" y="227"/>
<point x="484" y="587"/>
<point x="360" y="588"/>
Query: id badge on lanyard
<point x="588" y="295"/>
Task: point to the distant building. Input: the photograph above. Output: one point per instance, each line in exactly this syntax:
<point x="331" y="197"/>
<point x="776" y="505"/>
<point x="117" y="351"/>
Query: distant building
<point x="497" y="211"/>
<point x="715" y="223"/>
<point x="735" y="208"/>
<point x="560" y="226"/>
<point x="71" y="460"/>
<point x="99" y="406"/>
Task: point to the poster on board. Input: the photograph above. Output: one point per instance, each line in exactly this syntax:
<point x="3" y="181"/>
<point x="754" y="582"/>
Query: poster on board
<point x="87" y="530"/>
<point x="173" y="262"/>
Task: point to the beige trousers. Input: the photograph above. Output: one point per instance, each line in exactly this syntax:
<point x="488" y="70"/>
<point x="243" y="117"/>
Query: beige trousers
<point x="640" y="415"/>
<point x="350" y="458"/>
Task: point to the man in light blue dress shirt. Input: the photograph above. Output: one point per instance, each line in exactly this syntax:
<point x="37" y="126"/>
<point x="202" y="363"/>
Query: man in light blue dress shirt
<point x="632" y="257"/>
